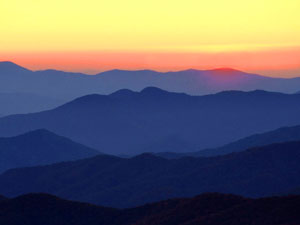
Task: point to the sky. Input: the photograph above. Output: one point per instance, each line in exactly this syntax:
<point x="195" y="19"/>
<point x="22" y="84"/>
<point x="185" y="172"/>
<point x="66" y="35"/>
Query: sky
<point x="90" y="36"/>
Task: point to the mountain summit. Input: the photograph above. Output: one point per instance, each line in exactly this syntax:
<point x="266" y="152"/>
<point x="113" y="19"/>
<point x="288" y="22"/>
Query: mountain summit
<point x="39" y="147"/>
<point x="121" y="182"/>
<point x="10" y="67"/>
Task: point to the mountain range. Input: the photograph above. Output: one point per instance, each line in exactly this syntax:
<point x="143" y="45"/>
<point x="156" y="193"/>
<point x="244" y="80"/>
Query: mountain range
<point x="66" y="85"/>
<point x="283" y="134"/>
<point x="206" y="209"/>
<point x="17" y="103"/>
<point x="120" y="182"/>
<point x="237" y="145"/>
<point x="40" y="147"/>
<point x="152" y="120"/>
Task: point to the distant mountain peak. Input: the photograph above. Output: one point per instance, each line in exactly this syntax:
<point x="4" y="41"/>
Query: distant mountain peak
<point x="260" y="91"/>
<point x="7" y="66"/>
<point x="255" y="93"/>
<point x="7" y="63"/>
<point x="222" y="70"/>
<point x="39" y="132"/>
<point x="147" y="156"/>
<point x="123" y="92"/>
<point x="226" y="69"/>
<point x="38" y="135"/>
<point x="120" y="71"/>
<point x="153" y="90"/>
<point x="191" y="70"/>
<point x="87" y="99"/>
<point x="40" y="147"/>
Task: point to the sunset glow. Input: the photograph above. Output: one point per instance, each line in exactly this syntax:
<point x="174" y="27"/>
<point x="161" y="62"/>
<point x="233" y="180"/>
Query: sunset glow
<point x="92" y="36"/>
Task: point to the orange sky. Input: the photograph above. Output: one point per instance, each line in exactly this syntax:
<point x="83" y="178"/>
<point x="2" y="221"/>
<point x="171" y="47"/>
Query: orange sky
<point x="276" y="63"/>
<point x="92" y="36"/>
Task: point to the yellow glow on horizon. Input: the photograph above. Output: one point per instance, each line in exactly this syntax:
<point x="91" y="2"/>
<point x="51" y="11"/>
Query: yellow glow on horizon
<point x="156" y="25"/>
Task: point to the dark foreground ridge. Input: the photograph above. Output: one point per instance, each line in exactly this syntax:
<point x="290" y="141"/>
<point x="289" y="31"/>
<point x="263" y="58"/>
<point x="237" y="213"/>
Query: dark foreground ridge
<point x="206" y="209"/>
<point x="121" y="182"/>
<point x="2" y="198"/>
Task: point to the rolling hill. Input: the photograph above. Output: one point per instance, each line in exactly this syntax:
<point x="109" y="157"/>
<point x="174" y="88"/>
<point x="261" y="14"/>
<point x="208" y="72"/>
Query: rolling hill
<point x="66" y="85"/>
<point x="206" y="209"/>
<point x="37" y="209"/>
<point x="127" y="122"/>
<point x="283" y="134"/>
<point x="118" y="182"/>
<point x="39" y="147"/>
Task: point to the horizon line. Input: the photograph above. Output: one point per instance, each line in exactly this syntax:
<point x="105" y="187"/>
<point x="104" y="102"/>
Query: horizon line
<point x="145" y="69"/>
